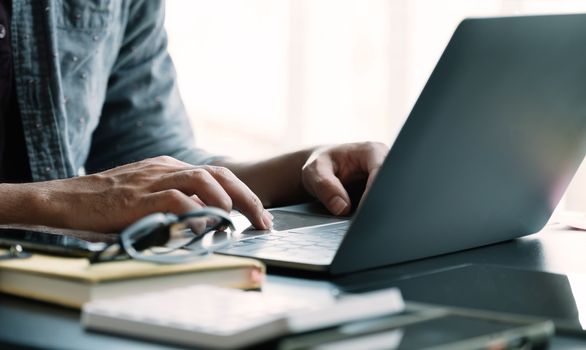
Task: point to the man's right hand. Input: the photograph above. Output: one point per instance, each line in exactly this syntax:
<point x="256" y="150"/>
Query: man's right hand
<point x="111" y="200"/>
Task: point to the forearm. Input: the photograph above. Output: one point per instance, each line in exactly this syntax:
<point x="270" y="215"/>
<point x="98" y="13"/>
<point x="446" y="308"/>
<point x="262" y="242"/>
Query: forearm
<point x="276" y="181"/>
<point x="111" y="200"/>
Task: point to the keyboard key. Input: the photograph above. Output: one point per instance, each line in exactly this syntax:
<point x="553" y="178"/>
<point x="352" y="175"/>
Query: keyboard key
<point x="318" y="243"/>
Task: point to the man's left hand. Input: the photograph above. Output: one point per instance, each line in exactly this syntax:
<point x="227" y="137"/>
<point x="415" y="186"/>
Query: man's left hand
<point x="328" y="169"/>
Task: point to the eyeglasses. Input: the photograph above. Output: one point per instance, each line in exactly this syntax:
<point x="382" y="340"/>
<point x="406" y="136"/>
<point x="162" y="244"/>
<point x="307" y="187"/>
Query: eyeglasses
<point x="169" y="239"/>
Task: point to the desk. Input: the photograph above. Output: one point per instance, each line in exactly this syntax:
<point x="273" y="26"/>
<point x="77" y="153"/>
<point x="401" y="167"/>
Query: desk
<point x="29" y="324"/>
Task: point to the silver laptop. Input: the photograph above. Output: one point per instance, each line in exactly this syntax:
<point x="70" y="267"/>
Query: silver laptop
<point x="485" y="155"/>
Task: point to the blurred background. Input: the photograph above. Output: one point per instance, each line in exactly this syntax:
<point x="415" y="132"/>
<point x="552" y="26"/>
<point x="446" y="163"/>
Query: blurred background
<point x="259" y="77"/>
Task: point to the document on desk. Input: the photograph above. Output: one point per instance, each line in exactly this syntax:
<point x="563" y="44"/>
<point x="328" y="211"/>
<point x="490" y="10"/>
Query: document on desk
<point x="227" y="318"/>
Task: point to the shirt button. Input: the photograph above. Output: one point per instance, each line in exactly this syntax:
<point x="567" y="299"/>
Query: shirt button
<point x="2" y="31"/>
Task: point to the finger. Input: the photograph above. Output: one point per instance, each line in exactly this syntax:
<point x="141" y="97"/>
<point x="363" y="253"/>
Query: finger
<point x="217" y="186"/>
<point x="197" y="201"/>
<point x="373" y="156"/>
<point x="371" y="176"/>
<point x="242" y="196"/>
<point x="326" y="186"/>
<point x="169" y="201"/>
<point x="196" y="181"/>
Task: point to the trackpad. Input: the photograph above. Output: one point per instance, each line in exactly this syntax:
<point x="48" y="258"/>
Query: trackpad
<point x="561" y="298"/>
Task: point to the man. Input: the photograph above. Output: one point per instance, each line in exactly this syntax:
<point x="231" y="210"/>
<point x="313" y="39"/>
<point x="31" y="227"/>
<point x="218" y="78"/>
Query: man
<point x="94" y="89"/>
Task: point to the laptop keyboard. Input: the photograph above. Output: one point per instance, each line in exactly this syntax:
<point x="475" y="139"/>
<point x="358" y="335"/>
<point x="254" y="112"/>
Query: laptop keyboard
<point x="310" y="245"/>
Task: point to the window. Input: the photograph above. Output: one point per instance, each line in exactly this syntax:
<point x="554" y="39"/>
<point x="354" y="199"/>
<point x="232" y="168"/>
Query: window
<point x="262" y="76"/>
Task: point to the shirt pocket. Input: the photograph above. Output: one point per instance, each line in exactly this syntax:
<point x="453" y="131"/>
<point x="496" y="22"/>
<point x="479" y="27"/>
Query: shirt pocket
<point x="88" y="15"/>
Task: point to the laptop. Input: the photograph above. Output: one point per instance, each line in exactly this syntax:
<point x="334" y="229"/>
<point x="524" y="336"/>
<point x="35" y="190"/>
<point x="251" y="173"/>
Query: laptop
<point x="485" y="155"/>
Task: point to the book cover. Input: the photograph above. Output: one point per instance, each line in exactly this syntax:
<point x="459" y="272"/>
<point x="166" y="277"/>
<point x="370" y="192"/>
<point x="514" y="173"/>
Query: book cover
<point x="73" y="281"/>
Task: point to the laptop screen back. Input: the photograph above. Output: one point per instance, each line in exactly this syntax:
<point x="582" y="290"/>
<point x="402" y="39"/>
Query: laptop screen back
<point x="488" y="149"/>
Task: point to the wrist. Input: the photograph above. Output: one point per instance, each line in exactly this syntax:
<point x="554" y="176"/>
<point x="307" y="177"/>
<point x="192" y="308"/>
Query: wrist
<point x="28" y="204"/>
<point x="277" y="180"/>
<point x="19" y="204"/>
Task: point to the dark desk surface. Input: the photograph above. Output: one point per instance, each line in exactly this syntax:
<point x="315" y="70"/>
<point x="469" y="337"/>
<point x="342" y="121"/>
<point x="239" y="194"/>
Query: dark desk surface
<point x="29" y="324"/>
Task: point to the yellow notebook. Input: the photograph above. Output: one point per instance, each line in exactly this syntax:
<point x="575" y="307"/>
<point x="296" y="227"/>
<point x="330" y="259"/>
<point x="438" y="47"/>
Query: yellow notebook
<point x="74" y="281"/>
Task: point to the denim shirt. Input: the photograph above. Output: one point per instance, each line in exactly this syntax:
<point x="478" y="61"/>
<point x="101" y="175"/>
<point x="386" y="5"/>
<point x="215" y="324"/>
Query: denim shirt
<point x="96" y="87"/>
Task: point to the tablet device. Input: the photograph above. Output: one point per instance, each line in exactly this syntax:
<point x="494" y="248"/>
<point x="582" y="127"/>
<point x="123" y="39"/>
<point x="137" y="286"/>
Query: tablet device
<point x="553" y="296"/>
<point x="432" y="329"/>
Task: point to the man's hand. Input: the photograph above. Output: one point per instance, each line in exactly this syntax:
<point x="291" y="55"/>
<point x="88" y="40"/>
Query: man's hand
<point x="328" y="169"/>
<point x="113" y="199"/>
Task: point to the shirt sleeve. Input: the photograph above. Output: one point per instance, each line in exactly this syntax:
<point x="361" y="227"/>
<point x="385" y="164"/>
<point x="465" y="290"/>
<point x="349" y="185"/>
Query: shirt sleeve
<point x="143" y="115"/>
